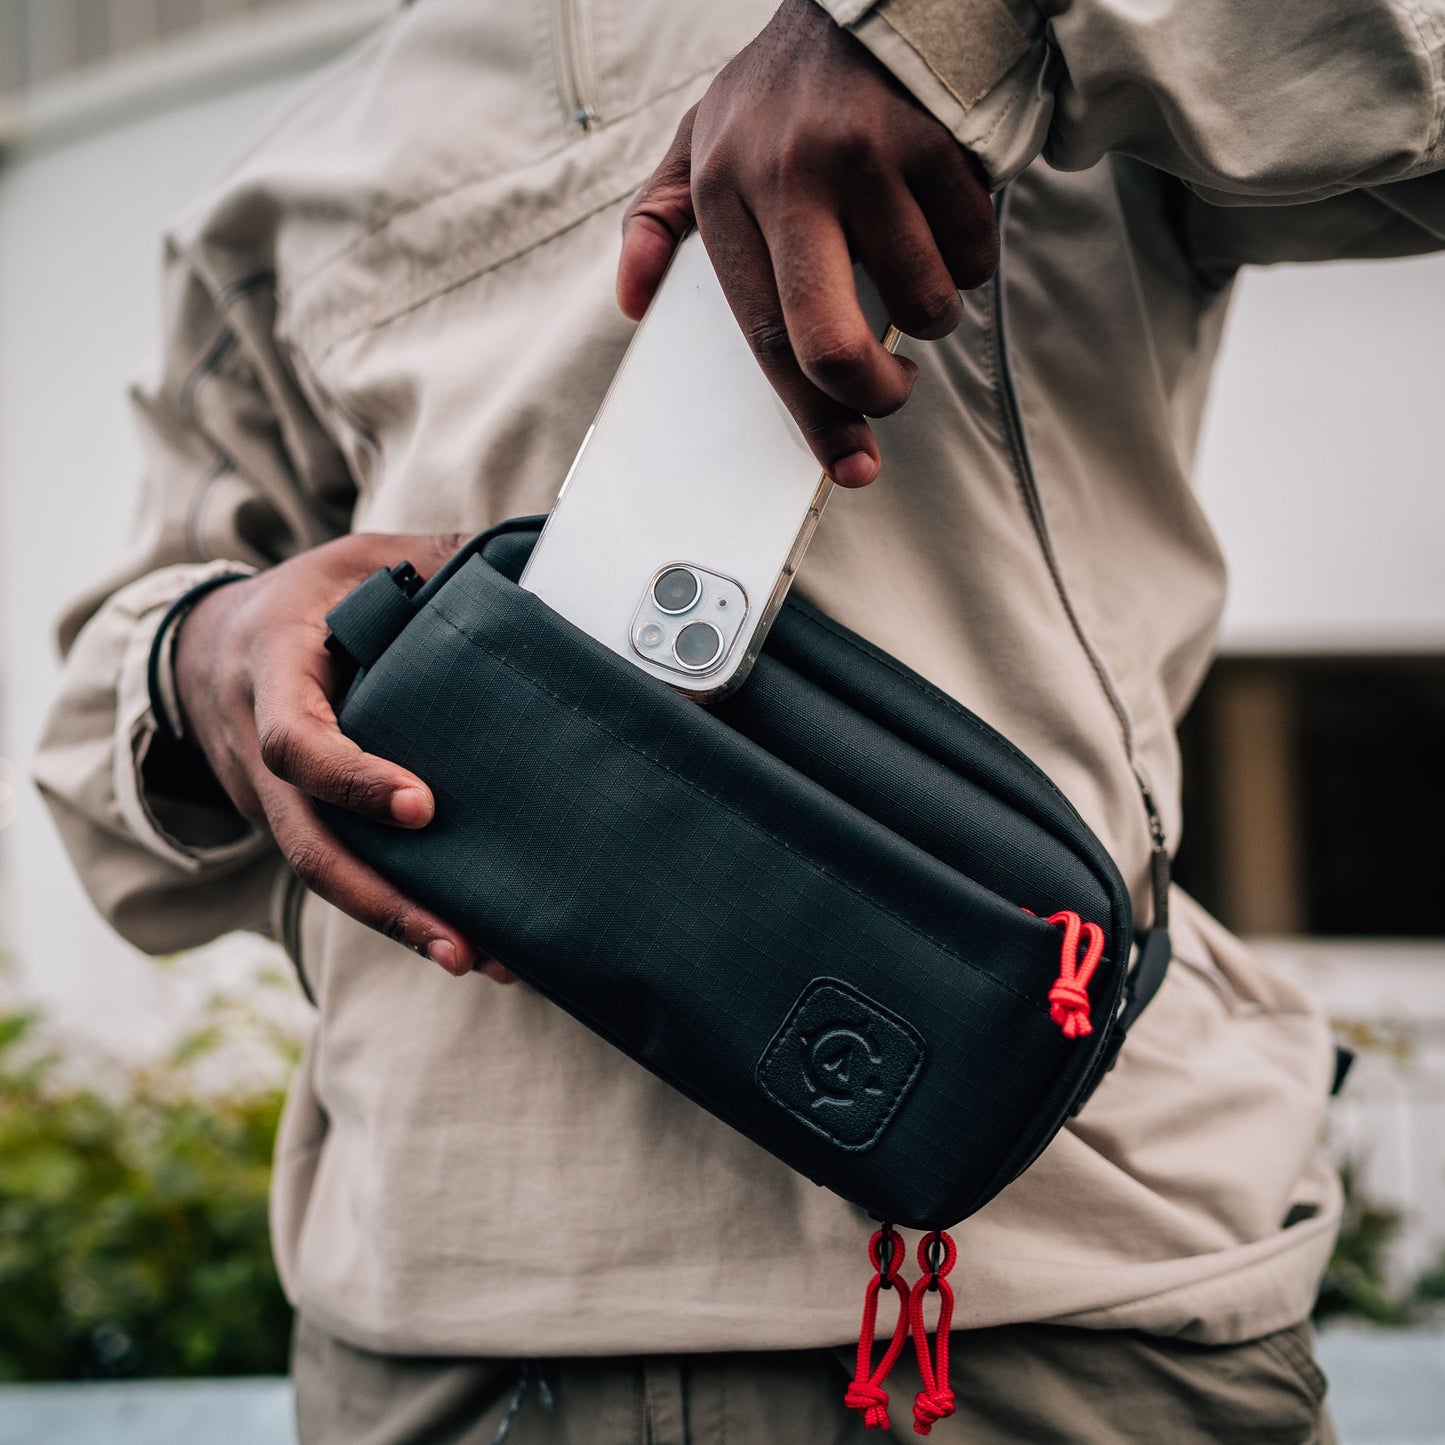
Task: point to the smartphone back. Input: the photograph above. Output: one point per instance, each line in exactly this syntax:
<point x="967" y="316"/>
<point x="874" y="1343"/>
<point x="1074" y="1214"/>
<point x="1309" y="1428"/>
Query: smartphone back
<point x="692" y="465"/>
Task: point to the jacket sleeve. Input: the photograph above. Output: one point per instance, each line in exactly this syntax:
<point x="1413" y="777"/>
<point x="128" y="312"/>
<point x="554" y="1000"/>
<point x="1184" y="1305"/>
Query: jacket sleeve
<point x="1406" y="218"/>
<point x="239" y="474"/>
<point x="1248" y="103"/>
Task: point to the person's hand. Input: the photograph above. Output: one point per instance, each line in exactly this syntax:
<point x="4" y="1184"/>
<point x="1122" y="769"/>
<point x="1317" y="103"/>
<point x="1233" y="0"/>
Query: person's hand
<point x="256" y="685"/>
<point x="804" y="156"/>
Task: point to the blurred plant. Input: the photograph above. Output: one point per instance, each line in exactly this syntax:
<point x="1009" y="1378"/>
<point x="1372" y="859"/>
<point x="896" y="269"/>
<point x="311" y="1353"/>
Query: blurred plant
<point x="133" y="1237"/>
<point x="1356" y="1281"/>
<point x="1428" y="1295"/>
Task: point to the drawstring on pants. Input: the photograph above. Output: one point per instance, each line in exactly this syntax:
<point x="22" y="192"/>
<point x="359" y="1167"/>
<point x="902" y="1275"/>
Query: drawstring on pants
<point x="529" y="1370"/>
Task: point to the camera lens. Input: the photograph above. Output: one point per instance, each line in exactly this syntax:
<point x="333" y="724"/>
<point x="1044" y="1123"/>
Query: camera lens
<point x="698" y="645"/>
<point x="676" y="590"/>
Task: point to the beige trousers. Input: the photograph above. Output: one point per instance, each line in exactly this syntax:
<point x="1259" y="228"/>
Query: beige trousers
<point x="1026" y="1383"/>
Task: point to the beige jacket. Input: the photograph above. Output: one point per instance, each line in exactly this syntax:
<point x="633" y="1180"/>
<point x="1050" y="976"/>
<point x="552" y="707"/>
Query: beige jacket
<point x="396" y="313"/>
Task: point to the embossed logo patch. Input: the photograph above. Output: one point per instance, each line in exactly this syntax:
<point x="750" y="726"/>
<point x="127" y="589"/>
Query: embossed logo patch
<point x="841" y="1063"/>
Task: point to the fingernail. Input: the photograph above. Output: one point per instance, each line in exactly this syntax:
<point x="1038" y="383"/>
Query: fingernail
<point x="411" y="807"/>
<point x="857" y="469"/>
<point x="444" y="952"/>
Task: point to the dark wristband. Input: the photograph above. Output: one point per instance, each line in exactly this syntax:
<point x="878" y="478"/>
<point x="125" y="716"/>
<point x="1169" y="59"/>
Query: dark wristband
<point x="173" y="613"/>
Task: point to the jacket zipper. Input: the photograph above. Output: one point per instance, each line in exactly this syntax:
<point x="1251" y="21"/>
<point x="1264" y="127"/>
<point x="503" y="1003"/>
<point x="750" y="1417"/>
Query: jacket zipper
<point x="574" y="65"/>
<point x="1159" y="861"/>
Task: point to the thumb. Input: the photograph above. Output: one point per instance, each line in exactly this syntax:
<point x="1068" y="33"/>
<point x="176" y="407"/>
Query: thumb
<point x="658" y="218"/>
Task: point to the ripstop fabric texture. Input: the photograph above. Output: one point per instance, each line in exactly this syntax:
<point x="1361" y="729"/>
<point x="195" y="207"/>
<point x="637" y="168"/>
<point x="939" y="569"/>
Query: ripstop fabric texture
<point x="818" y="909"/>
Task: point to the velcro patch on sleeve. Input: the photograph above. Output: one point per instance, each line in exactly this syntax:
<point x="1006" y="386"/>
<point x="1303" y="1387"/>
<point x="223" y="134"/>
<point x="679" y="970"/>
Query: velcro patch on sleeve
<point x="970" y="45"/>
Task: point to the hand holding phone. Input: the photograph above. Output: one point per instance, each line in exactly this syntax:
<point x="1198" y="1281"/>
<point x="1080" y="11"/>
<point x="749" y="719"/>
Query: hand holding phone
<point x="685" y="514"/>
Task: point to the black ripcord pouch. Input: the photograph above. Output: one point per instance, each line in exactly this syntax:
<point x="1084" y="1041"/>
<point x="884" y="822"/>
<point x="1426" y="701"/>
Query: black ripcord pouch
<point x="819" y="908"/>
<point x="835" y="909"/>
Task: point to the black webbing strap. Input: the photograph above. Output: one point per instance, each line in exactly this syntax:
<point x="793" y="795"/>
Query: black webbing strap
<point x="1344" y="1062"/>
<point x="373" y="615"/>
<point x="1145" y="977"/>
<point x="1151" y="963"/>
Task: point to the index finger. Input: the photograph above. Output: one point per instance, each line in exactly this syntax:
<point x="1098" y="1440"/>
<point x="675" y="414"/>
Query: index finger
<point x="838" y="435"/>
<point x="836" y="348"/>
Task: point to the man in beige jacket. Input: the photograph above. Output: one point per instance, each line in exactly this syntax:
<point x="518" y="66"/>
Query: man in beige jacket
<point x="397" y="315"/>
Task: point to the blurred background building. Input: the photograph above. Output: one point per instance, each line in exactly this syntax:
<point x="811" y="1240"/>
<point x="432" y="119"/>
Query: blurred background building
<point x="114" y="114"/>
<point x="1316" y="778"/>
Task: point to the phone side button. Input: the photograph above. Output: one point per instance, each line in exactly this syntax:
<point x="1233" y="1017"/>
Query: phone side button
<point x="805" y="535"/>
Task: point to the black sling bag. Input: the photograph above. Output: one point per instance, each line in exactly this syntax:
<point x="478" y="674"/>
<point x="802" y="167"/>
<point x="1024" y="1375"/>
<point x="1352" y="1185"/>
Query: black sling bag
<point x="851" y="961"/>
<point x="888" y="950"/>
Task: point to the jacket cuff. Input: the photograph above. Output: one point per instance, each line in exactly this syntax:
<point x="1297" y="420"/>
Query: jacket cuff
<point x="981" y="67"/>
<point x="168" y="799"/>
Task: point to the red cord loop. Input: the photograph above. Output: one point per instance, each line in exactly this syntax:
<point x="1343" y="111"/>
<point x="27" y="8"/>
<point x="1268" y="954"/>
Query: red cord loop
<point x="934" y="1402"/>
<point x="1069" y="998"/>
<point x="866" y="1393"/>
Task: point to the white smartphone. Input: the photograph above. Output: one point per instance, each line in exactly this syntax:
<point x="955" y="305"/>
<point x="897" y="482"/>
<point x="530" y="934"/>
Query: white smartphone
<point x="685" y="514"/>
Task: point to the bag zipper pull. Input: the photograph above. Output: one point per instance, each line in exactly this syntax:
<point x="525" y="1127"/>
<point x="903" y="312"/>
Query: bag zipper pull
<point x="1069" y="997"/>
<point x="865" y="1394"/>
<point x="934" y="1402"/>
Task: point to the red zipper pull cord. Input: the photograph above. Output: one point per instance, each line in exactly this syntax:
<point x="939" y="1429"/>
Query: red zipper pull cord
<point x="936" y="1255"/>
<point x="1068" y="998"/>
<point x="886" y="1253"/>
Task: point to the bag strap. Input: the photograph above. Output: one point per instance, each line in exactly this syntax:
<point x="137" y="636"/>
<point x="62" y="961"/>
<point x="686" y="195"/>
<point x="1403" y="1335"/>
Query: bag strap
<point x="1146" y="975"/>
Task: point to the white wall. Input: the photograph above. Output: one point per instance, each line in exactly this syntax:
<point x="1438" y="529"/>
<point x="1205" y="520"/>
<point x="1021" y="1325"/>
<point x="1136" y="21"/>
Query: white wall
<point x="79" y="302"/>
<point x="1320" y="464"/>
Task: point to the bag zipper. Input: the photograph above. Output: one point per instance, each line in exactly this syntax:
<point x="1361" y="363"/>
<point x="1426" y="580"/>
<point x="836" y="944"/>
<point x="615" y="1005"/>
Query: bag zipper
<point x="574" y="64"/>
<point x="1159" y="860"/>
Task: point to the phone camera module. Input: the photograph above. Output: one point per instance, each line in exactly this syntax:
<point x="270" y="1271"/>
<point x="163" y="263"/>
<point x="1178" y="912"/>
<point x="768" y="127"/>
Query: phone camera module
<point x="689" y="619"/>
<point x="698" y="645"/>
<point x="676" y="590"/>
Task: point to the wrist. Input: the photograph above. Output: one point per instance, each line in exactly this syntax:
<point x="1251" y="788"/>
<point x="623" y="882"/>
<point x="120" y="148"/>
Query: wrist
<point x="182" y="803"/>
<point x="167" y="669"/>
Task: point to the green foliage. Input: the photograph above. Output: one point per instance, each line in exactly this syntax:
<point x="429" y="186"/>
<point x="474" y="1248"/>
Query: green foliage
<point x="133" y="1236"/>
<point x="1356" y="1283"/>
<point x="1428" y="1295"/>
